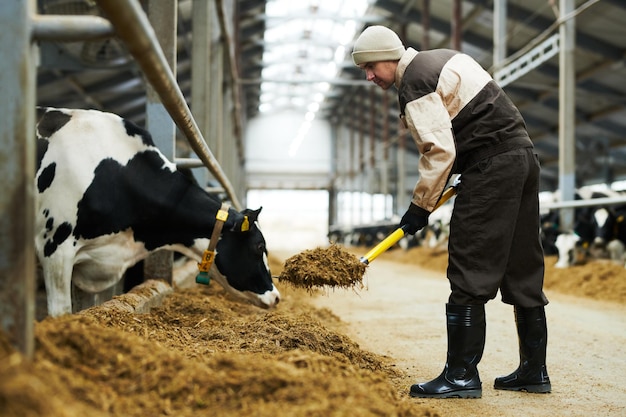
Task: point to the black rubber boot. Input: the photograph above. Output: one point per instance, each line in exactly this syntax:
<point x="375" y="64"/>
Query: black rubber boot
<point x="466" y="342"/>
<point x="532" y="374"/>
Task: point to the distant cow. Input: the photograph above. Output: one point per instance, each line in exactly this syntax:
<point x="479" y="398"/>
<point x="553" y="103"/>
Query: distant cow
<point x="107" y="197"/>
<point x="612" y="234"/>
<point x="592" y="230"/>
<point x="439" y="227"/>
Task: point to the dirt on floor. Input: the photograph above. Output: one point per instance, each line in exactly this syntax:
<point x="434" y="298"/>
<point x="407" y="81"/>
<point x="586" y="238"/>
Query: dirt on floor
<point x="402" y="315"/>
<point x="204" y="353"/>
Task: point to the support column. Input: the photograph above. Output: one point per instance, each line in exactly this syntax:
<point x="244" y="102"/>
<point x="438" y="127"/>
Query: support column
<point x="352" y="173"/>
<point x="216" y="115"/>
<point x="425" y="24"/>
<point x="384" y="168"/>
<point x="371" y="172"/>
<point x="402" y="200"/>
<point x="361" y="169"/>
<point x="499" y="32"/>
<point x="202" y="26"/>
<point x="18" y="69"/>
<point x="457" y="25"/>
<point x="163" y="17"/>
<point x="334" y="175"/>
<point x="567" y="112"/>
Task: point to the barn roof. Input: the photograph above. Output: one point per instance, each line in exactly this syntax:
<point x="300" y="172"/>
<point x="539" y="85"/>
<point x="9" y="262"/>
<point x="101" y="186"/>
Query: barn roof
<point x="284" y="51"/>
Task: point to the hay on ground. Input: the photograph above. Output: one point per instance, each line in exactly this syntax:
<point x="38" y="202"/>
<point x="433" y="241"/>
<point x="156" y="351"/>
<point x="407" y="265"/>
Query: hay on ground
<point x="319" y="267"/>
<point x="202" y="352"/>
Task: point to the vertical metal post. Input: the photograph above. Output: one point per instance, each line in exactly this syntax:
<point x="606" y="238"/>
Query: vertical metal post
<point x="163" y="17"/>
<point x="352" y="167"/>
<point x="567" y="112"/>
<point x="499" y="32"/>
<point x="216" y="114"/>
<point x="371" y="188"/>
<point x="334" y="175"/>
<point x="361" y="169"/>
<point x="425" y="24"/>
<point x="402" y="203"/>
<point x="238" y="157"/>
<point x="399" y="202"/>
<point x="384" y="168"/>
<point x="18" y="69"/>
<point x="228" y="17"/>
<point x="230" y="96"/>
<point x="457" y="25"/>
<point x="202" y="19"/>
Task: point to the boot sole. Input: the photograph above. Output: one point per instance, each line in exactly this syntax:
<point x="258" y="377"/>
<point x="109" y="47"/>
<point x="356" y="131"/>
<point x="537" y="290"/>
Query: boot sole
<point x="453" y="394"/>
<point x="534" y="389"/>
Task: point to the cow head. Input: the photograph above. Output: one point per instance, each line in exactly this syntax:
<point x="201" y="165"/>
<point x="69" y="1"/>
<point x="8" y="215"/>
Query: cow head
<point x="569" y="250"/>
<point x="242" y="264"/>
<point x="588" y="237"/>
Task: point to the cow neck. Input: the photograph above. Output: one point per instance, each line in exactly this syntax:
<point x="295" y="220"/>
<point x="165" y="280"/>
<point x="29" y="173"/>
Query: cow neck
<point x="220" y="219"/>
<point x="209" y="254"/>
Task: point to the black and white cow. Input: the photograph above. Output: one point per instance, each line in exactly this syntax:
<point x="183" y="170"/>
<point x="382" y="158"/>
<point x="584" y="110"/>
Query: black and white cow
<point x="438" y="228"/>
<point x="107" y="197"/>
<point x="592" y="231"/>
<point x="612" y="234"/>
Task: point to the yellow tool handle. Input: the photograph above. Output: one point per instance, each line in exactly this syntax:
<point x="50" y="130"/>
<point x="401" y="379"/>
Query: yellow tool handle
<point x="387" y="242"/>
<point x="399" y="233"/>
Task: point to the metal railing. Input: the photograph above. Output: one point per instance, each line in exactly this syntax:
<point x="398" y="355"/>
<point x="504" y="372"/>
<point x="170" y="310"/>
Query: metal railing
<point x="604" y="201"/>
<point x="130" y="23"/>
<point x="22" y="28"/>
<point x="133" y="27"/>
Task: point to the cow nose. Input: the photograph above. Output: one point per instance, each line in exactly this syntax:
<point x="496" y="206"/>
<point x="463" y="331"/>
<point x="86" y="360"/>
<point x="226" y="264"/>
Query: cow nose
<point x="276" y="299"/>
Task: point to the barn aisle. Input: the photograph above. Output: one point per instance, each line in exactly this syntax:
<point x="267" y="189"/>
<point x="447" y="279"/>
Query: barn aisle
<point x="401" y="315"/>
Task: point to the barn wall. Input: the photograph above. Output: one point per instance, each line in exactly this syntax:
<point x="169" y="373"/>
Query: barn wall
<point x="273" y="163"/>
<point x="292" y="220"/>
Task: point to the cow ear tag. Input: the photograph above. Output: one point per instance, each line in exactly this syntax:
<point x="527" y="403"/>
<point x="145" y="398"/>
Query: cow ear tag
<point x="245" y="225"/>
<point x="204" y="266"/>
<point x="209" y="254"/>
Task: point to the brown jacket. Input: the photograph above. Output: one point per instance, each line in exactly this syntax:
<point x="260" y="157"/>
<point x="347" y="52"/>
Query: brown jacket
<point x="456" y="114"/>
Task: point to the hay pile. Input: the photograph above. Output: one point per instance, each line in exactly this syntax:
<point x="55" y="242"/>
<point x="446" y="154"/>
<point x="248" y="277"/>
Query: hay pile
<point x="598" y="279"/>
<point x="201" y="353"/>
<point x="332" y="266"/>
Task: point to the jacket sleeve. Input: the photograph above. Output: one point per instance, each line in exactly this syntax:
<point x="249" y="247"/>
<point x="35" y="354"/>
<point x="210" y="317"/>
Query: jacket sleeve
<point x="431" y="128"/>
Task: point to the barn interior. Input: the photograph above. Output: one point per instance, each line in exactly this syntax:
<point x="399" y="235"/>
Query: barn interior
<point x="282" y="118"/>
<point x="245" y="67"/>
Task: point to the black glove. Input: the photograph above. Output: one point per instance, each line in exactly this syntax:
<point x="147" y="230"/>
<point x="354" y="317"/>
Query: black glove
<point x="415" y="219"/>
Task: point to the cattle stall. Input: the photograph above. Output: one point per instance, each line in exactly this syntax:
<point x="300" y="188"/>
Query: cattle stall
<point x="434" y="235"/>
<point x="597" y="226"/>
<point x="24" y="28"/>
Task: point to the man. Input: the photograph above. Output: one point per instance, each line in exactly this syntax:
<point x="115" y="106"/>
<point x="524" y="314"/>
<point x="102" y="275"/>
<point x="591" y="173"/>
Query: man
<point x="463" y="122"/>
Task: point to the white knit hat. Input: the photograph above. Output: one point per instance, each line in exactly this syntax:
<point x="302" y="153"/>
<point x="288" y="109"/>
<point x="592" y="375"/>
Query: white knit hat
<point x="377" y="43"/>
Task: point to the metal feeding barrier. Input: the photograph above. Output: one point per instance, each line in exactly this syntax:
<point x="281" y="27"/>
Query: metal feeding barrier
<point x="133" y="27"/>
<point x="22" y="28"/>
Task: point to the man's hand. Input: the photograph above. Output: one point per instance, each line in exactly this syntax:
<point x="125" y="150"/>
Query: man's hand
<point x="415" y="219"/>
